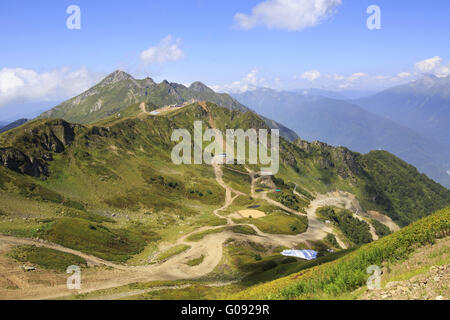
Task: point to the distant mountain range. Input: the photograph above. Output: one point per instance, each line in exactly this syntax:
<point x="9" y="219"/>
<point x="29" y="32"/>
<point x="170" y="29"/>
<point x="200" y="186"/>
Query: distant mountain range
<point x="24" y="110"/>
<point x="340" y="122"/>
<point x="12" y="125"/>
<point x="341" y="95"/>
<point x="423" y="105"/>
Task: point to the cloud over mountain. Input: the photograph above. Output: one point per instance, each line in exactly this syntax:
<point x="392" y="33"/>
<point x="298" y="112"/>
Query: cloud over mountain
<point x="433" y="65"/>
<point x="311" y="75"/>
<point x="168" y="50"/>
<point x="23" y="85"/>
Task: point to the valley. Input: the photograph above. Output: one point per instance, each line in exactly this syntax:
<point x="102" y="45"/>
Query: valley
<point x="174" y="267"/>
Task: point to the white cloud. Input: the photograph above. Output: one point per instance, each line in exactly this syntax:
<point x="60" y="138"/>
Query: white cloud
<point x="356" y="76"/>
<point x="23" y="85"/>
<point x="428" y="65"/>
<point x="381" y="77"/>
<point x="292" y="15"/>
<point x="433" y="66"/>
<point x="338" y="77"/>
<point x="166" y="51"/>
<point x="311" y="75"/>
<point x="404" y="75"/>
<point x="250" y="82"/>
<point x="354" y="81"/>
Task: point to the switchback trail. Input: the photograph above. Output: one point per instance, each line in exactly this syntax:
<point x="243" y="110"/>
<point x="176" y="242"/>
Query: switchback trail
<point x="107" y="274"/>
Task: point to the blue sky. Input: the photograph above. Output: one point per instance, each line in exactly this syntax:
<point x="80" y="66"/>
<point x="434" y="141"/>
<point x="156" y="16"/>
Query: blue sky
<point x="208" y="44"/>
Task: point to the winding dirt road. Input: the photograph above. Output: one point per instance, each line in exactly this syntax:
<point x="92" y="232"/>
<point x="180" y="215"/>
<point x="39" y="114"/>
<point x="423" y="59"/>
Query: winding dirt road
<point x="106" y="274"/>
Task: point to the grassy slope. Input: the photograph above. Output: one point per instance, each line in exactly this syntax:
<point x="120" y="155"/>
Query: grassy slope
<point x="46" y="258"/>
<point x="344" y="275"/>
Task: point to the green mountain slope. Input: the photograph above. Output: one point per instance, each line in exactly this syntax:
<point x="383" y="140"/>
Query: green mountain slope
<point x="342" y="276"/>
<point x="124" y="163"/>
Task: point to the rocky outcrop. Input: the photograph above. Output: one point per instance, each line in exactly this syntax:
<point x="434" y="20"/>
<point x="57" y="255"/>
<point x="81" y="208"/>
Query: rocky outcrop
<point x="327" y="157"/>
<point x="32" y="149"/>
<point x="348" y="159"/>
<point x="16" y="160"/>
<point x="54" y="136"/>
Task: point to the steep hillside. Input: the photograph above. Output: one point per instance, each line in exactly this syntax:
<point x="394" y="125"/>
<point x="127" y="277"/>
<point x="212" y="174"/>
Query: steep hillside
<point x="378" y="178"/>
<point x="338" y="122"/>
<point x="339" y="278"/>
<point x="424" y="275"/>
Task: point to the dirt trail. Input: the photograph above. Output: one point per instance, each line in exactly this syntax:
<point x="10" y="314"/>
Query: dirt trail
<point x="372" y="230"/>
<point x="143" y="108"/>
<point x="317" y="230"/>
<point x="384" y="220"/>
<point x="91" y="260"/>
<point x="211" y="122"/>
<point x="174" y="268"/>
<point x="131" y="293"/>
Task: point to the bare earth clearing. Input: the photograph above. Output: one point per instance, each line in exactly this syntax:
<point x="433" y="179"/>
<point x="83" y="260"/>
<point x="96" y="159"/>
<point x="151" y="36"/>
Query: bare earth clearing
<point x="251" y="213"/>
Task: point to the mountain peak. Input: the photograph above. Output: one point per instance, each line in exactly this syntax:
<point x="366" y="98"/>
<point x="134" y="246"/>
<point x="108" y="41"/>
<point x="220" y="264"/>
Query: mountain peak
<point x="200" y="87"/>
<point x="117" y="76"/>
<point x="149" y="81"/>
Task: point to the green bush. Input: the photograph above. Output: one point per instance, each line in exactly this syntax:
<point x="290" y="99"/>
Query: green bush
<point x="243" y="229"/>
<point x="354" y="229"/>
<point x="332" y="240"/>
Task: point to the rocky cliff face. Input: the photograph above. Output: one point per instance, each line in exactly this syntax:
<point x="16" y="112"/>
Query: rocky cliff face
<point x="329" y="157"/>
<point x="30" y="151"/>
<point x="18" y="161"/>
